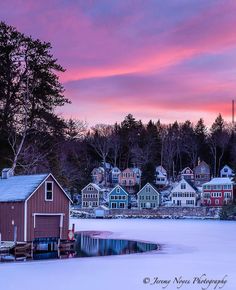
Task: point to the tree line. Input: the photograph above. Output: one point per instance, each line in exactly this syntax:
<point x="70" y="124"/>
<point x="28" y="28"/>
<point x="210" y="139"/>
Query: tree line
<point x="34" y="139"/>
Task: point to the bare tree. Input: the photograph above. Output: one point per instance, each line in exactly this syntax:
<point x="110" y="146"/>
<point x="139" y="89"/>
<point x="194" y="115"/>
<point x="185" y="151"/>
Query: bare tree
<point x="100" y="140"/>
<point x="17" y="139"/>
<point x="75" y="129"/>
<point x="115" y="144"/>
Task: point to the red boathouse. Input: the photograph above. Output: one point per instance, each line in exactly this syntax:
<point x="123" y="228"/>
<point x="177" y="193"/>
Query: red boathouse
<point x="32" y="207"/>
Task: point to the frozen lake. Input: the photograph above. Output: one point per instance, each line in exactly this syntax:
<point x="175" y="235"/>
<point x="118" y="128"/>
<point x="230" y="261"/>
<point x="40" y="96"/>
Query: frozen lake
<point x="191" y="249"/>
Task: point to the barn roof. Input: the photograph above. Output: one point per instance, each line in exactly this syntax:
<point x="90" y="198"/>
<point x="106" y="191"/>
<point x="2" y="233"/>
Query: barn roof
<point x="19" y="188"/>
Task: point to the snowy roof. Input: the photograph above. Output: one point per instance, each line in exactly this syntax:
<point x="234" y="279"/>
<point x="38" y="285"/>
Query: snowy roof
<point x="94" y="185"/>
<point x="219" y="180"/>
<point x="226" y="166"/>
<point x="102" y="207"/>
<point x="19" y="188"/>
<point x="160" y="174"/>
<point x="98" y="169"/>
<point x="185" y="169"/>
<point x="106" y="165"/>
<point x="115" y="169"/>
<point x="121" y="187"/>
<point x="6" y="169"/>
<point x="161" y="168"/>
<point x="148" y="184"/>
<point x="136" y="170"/>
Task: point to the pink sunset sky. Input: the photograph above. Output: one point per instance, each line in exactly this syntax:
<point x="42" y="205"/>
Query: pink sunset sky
<point x="168" y="60"/>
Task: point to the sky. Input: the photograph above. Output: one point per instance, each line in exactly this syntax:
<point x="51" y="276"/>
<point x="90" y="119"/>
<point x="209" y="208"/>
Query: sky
<point x="168" y="60"/>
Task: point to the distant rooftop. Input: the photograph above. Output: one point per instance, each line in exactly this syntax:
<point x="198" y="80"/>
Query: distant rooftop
<point x="19" y="188"/>
<point x="219" y="180"/>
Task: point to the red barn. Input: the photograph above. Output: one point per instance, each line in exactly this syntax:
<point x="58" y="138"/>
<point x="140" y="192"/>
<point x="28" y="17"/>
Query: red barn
<point x="33" y="206"/>
<point x="218" y="192"/>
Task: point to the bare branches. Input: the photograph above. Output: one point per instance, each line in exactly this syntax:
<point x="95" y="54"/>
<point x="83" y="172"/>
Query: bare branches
<point x="75" y="129"/>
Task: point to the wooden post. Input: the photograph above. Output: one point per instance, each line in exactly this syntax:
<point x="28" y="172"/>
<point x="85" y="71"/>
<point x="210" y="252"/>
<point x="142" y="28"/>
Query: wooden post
<point x="15" y="234"/>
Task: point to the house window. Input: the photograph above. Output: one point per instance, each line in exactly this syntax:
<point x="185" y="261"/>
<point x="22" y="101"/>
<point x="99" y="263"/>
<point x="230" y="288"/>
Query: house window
<point x="183" y="186"/>
<point x="148" y="189"/>
<point x="217" y="201"/>
<point x="48" y="190"/>
<point x="122" y="205"/>
<point x="118" y="190"/>
<point x="227" y="194"/>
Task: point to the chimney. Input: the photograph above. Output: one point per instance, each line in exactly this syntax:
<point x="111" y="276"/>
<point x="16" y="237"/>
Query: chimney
<point x="7" y="173"/>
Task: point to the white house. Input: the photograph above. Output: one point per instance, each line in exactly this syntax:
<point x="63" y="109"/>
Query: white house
<point x="161" y="176"/>
<point x="226" y="171"/>
<point x="184" y="194"/>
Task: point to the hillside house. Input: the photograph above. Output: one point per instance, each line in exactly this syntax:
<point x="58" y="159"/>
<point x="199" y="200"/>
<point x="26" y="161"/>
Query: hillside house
<point x="130" y="179"/>
<point x="187" y="173"/>
<point x="184" y="194"/>
<point x="148" y="197"/>
<point x="114" y="175"/>
<point x="161" y="176"/>
<point x="92" y="195"/>
<point x="98" y="175"/>
<point x="202" y="173"/>
<point x="219" y="191"/>
<point x="118" y="198"/>
<point x="226" y="171"/>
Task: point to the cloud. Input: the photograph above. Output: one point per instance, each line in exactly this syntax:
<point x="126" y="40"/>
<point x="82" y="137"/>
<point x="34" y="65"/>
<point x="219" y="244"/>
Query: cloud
<point x="137" y="56"/>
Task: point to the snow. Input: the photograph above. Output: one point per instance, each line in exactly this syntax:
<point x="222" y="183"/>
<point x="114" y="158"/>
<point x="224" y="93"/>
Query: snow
<point x="18" y="188"/>
<point x="189" y="248"/>
<point x="219" y="180"/>
<point x="98" y="188"/>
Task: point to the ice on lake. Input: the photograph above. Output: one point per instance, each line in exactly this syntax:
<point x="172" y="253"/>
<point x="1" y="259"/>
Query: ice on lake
<point x="190" y="250"/>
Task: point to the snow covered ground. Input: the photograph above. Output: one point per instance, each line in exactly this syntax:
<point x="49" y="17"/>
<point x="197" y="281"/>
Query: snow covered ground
<point x="191" y="248"/>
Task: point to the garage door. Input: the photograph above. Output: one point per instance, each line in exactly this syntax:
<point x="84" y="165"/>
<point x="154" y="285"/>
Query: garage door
<point x="47" y="226"/>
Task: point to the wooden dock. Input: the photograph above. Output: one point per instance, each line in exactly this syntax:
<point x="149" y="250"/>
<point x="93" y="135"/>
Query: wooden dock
<point x="6" y="246"/>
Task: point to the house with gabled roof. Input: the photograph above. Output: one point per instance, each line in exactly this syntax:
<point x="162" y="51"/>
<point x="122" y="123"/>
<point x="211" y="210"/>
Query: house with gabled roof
<point x="187" y="173"/>
<point x="33" y="208"/>
<point x="114" y="175"/>
<point x="226" y="171"/>
<point x="92" y="195"/>
<point x="148" y="197"/>
<point x="130" y="178"/>
<point x="118" y="198"/>
<point x="202" y="173"/>
<point x="161" y="176"/>
<point x="185" y="193"/>
<point x="219" y="191"/>
<point x="98" y="175"/>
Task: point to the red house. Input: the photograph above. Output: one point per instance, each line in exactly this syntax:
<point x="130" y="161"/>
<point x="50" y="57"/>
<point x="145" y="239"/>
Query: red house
<point x="32" y="207"/>
<point x="218" y="192"/>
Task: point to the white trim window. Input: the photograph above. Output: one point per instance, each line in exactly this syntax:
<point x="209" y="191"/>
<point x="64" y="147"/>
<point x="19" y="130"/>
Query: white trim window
<point x="49" y="190"/>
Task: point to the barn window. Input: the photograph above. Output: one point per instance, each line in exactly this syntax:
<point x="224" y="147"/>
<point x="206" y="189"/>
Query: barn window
<point x="48" y="190"/>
